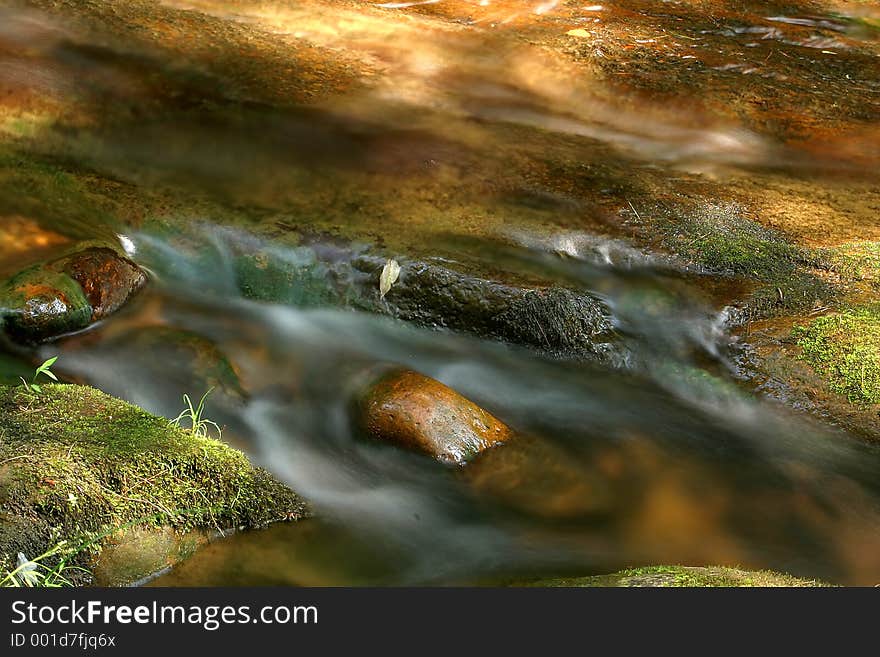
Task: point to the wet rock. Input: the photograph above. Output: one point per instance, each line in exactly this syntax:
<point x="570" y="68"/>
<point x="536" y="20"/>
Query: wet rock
<point x="39" y="304"/>
<point x="561" y="322"/>
<point x="137" y="553"/>
<point x="67" y="294"/>
<point x="558" y="321"/>
<point x="181" y="360"/>
<point x="106" y="278"/>
<point x="166" y="361"/>
<point x="542" y="480"/>
<point x="420" y="413"/>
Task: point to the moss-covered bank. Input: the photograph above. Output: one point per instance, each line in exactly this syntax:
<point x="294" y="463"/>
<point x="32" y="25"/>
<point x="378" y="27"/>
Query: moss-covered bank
<point x="826" y="359"/>
<point x="845" y="348"/>
<point x="76" y="463"/>
<point x="728" y="240"/>
<point x="683" y="576"/>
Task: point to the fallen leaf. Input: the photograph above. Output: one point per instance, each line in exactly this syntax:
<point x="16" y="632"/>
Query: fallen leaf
<point x="580" y="33"/>
<point x="389" y="275"/>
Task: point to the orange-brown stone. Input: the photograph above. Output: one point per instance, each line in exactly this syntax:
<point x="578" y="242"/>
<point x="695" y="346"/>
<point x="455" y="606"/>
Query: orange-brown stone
<point x="107" y="279"/>
<point x="420" y="413"/>
<point x="67" y="294"/>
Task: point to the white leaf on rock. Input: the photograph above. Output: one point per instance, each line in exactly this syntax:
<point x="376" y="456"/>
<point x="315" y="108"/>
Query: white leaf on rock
<point x="388" y="277"/>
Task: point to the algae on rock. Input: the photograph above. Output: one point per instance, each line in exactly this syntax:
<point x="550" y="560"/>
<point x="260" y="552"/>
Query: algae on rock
<point x="683" y="576"/>
<point x="845" y="348"/>
<point x="76" y="463"/>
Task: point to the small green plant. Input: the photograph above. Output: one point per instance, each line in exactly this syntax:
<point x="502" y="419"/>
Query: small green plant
<point x="44" y="369"/>
<point x="37" y="573"/>
<point x="199" y="425"/>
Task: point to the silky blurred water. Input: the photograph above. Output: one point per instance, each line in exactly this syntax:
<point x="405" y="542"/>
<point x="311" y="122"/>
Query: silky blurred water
<point x="660" y="458"/>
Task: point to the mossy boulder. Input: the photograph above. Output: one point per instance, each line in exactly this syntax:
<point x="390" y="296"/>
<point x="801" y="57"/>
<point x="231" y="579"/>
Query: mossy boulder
<point x="76" y="463"/>
<point x="39" y="304"/>
<point x="722" y="239"/>
<point x="67" y="294"/>
<point x="845" y="348"/>
<point x="683" y="576"/>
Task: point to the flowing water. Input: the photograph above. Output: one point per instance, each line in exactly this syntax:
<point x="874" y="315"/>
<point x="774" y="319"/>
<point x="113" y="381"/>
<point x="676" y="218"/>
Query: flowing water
<point x="477" y="150"/>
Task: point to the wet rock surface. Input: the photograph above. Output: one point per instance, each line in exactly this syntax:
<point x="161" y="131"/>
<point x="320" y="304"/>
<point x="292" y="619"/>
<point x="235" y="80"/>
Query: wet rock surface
<point x="177" y="361"/>
<point x="739" y="137"/>
<point x="555" y="320"/>
<point x="417" y="412"/>
<point x="106" y="278"/>
<point x="136" y="554"/>
<point x="68" y="294"/>
<point x="40" y="304"/>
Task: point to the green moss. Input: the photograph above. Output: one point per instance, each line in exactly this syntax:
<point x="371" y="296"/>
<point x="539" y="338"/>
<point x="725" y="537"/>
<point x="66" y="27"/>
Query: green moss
<point x="797" y="292"/>
<point x="78" y="462"/>
<point x="683" y="576"/>
<point x="845" y="348"/>
<point x="722" y="239"/>
<point x="34" y="186"/>
<point x="858" y="261"/>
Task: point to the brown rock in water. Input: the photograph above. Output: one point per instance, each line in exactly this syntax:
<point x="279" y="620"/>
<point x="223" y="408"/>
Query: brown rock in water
<point x="106" y="278"/>
<point x="420" y="413"/>
<point x="67" y="294"/>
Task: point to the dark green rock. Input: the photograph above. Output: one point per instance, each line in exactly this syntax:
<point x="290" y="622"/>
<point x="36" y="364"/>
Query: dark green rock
<point x="39" y="304"/>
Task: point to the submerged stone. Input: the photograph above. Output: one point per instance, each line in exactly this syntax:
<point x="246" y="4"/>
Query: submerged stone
<point x="417" y="412"/>
<point x="170" y="362"/>
<point x="67" y="294"/>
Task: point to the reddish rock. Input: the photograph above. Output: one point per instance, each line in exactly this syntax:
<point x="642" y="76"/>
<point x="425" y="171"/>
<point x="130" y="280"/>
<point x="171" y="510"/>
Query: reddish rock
<point x="420" y="413"/>
<point x="67" y="294"/>
<point x="106" y="278"/>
